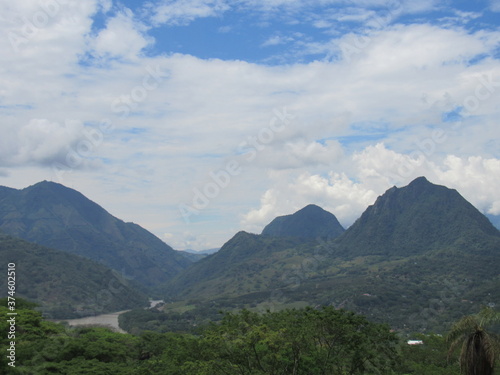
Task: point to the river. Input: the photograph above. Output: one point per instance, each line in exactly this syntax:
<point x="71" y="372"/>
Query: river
<point x="108" y="320"/>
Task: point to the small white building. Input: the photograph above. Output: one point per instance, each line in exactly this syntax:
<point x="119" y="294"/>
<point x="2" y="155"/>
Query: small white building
<point x="415" y="342"/>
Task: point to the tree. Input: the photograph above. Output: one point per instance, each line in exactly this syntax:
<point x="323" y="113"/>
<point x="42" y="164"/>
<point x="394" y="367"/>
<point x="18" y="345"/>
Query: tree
<point x="307" y="341"/>
<point x="480" y="347"/>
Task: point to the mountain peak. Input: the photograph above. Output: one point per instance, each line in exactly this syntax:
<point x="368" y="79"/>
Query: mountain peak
<point x="416" y="218"/>
<point x="420" y="181"/>
<point x="309" y="222"/>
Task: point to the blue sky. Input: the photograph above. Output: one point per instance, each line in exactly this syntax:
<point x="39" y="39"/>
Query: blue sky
<point x="261" y="32"/>
<point x="200" y="118"/>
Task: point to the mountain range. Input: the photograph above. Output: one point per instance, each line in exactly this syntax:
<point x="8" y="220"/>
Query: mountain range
<point x="418" y="258"/>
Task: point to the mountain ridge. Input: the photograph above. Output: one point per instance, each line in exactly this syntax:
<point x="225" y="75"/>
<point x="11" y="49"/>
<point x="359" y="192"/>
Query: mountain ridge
<point x="56" y="216"/>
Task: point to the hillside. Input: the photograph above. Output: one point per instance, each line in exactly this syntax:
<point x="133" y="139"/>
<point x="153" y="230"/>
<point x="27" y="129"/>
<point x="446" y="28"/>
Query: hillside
<point x="311" y="222"/>
<point x="55" y="216"/>
<point x="418" y="258"/>
<point x="239" y="267"/>
<point x="63" y="284"/>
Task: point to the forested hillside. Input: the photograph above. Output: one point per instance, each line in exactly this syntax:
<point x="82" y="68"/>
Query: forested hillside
<point x="66" y="285"/>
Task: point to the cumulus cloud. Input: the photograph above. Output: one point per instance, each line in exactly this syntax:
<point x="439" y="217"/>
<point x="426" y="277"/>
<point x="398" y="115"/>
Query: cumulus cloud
<point x="123" y="37"/>
<point x="45" y="143"/>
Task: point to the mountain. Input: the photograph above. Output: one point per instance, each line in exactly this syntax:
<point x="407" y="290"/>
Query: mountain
<point x="239" y="267"/>
<point x="58" y="217"/>
<point x="65" y="285"/>
<point x="310" y="222"/>
<point x="412" y="220"/>
<point x="419" y="258"/>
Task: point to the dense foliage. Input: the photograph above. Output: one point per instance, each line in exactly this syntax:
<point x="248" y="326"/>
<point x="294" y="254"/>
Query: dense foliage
<point x="306" y="341"/>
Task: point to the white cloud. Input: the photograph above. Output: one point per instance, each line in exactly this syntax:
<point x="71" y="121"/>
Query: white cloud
<point x="123" y="37"/>
<point x="296" y="153"/>
<point x="49" y="144"/>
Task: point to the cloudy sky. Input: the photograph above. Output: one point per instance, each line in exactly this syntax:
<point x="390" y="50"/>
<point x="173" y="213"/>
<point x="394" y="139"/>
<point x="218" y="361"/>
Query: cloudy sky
<point x="200" y="118"/>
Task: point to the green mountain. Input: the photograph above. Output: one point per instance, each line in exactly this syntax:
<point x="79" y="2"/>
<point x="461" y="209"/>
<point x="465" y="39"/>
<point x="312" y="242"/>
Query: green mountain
<point x="239" y="267"/>
<point x="413" y="220"/>
<point x="55" y="216"/>
<point x="63" y="284"/>
<point x="310" y="222"/>
<point x="419" y="258"/>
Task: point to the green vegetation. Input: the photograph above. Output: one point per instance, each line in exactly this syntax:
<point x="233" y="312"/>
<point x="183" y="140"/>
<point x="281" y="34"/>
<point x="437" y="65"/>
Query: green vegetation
<point x="302" y="341"/>
<point x="66" y="285"/>
<point x="480" y="347"/>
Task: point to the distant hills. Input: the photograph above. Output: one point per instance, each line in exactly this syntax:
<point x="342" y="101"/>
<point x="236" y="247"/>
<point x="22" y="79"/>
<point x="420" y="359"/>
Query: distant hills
<point x="66" y="285"/>
<point x="55" y="216"/>
<point x="418" y="258"/>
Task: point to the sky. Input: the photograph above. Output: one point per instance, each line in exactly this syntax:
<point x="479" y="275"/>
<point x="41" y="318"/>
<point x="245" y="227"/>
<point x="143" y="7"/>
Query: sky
<point x="200" y="118"/>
